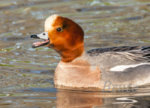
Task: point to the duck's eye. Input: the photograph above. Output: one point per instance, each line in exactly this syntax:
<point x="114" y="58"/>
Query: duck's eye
<point x="59" y="29"/>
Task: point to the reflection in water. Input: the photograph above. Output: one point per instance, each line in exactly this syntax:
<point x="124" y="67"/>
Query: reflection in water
<point x="78" y="99"/>
<point x="68" y="99"/>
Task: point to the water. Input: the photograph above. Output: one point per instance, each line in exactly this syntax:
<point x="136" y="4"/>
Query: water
<point x="26" y="74"/>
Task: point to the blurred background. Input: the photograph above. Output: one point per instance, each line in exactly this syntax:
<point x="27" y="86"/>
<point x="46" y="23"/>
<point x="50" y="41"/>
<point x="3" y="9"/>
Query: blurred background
<point x="26" y="74"/>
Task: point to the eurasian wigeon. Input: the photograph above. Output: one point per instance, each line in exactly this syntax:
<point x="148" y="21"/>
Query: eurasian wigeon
<point x="125" y="66"/>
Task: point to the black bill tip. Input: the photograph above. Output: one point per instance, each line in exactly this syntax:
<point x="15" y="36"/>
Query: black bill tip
<point x="34" y="36"/>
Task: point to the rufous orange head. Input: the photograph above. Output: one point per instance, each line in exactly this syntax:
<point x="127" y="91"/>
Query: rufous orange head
<point x="63" y="35"/>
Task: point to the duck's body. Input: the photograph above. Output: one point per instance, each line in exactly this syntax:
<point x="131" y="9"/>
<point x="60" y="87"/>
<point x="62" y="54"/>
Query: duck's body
<point x="106" y="68"/>
<point x="98" y="68"/>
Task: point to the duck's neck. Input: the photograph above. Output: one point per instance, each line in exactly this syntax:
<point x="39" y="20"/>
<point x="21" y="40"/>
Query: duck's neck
<point x="70" y="55"/>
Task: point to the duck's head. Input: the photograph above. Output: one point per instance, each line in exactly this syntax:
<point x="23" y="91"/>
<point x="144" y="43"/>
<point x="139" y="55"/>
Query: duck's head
<point x="63" y="35"/>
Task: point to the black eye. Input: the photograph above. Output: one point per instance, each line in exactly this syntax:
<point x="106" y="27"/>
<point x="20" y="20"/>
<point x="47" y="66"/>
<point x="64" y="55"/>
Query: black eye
<point x="43" y="33"/>
<point x="59" y="29"/>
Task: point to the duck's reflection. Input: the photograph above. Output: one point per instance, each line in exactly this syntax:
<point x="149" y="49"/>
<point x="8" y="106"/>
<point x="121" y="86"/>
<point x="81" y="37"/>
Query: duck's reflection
<point x="78" y="99"/>
<point x="69" y="99"/>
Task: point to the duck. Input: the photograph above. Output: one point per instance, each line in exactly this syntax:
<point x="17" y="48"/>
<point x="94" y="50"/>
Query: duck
<point x="110" y="68"/>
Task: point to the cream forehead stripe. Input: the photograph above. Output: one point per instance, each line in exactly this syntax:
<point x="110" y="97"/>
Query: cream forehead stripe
<point x="49" y="21"/>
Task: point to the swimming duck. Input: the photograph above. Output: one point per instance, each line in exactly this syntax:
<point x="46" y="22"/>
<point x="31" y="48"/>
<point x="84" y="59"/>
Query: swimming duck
<point x="96" y="69"/>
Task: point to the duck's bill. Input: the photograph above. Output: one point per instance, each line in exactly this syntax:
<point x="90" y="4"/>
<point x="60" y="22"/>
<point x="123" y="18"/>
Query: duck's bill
<point x="43" y="36"/>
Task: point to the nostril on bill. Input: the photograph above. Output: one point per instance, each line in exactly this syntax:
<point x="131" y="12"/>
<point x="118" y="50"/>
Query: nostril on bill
<point x="34" y="36"/>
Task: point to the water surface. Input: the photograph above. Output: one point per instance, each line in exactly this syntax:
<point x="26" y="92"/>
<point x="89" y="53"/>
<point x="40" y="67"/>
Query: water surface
<point x="26" y="74"/>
